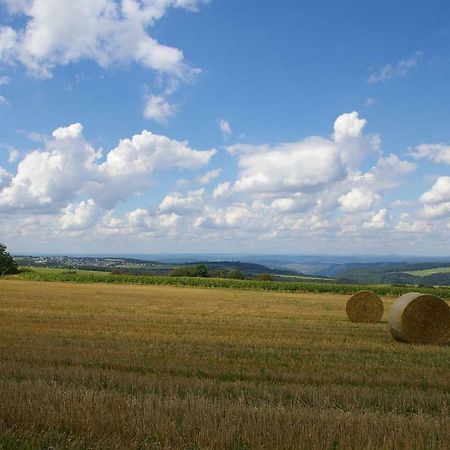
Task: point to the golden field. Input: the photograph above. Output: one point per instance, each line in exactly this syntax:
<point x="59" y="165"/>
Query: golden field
<point x="87" y="366"/>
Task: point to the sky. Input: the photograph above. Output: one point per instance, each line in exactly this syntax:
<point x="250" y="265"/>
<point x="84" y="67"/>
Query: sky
<point x="225" y="126"/>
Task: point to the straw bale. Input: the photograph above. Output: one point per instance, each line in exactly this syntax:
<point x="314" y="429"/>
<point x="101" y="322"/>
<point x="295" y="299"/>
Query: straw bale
<point x="420" y="319"/>
<point x="364" y="306"/>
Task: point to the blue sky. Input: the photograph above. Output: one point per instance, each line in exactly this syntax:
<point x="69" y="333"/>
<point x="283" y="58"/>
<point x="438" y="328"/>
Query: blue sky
<point x="259" y="126"/>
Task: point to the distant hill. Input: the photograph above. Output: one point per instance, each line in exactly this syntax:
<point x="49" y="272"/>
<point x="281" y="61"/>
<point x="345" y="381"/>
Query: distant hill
<point x="429" y="274"/>
<point x="359" y="270"/>
<point x="141" y="266"/>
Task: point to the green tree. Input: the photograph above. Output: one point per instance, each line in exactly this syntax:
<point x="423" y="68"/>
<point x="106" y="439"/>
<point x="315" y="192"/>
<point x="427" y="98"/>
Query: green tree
<point x="7" y="263"/>
<point x="201" y="271"/>
<point x="265" y="277"/>
<point x="235" y="274"/>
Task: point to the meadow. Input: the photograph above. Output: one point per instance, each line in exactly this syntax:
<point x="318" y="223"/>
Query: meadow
<point x="102" y="366"/>
<point x="427" y="272"/>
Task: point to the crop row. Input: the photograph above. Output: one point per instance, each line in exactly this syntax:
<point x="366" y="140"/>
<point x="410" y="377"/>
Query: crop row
<point x="280" y="286"/>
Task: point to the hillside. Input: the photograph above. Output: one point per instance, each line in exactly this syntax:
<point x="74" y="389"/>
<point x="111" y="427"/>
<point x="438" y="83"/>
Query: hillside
<point x="143" y="267"/>
<point x="429" y="274"/>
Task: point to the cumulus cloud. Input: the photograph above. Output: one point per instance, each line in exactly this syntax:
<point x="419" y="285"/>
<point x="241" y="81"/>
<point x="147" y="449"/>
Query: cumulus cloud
<point x="358" y="199"/>
<point x="4" y="102"/>
<point x="231" y="217"/>
<point x="348" y="126"/>
<point x="297" y="203"/>
<point x="109" y="32"/>
<point x="13" y="155"/>
<point x="399" y="69"/>
<point x="142" y="219"/>
<point x="440" y="191"/>
<point x="306" y="165"/>
<point x="222" y="190"/>
<point x="313" y="188"/>
<point x="409" y="224"/>
<point x="378" y="221"/>
<point x="79" y="216"/>
<point x="437" y="199"/>
<point x="438" y="153"/>
<point x="159" y="109"/>
<point x="68" y="166"/>
<point x="182" y="204"/>
<point x="388" y="172"/>
<point x="5" y="177"/>
<point x="225" y="128"/>
<point x="207" y="177"/>
<point x="353" y="145"/>
<point x="436" y="211"/>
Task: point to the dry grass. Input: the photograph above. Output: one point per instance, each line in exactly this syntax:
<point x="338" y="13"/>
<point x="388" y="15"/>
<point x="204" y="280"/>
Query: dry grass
<point x="137" y="367"/>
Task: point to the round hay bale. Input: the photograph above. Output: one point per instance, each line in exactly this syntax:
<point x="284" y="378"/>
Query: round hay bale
<point x="420" y="319"/>
<point x="364" y="306"/>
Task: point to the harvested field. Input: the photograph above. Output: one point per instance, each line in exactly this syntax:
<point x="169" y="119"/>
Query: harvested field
<point x="122" y="366"/>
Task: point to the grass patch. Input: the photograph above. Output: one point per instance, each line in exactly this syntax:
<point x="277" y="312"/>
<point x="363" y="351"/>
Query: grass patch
<point x="428" y="272"/>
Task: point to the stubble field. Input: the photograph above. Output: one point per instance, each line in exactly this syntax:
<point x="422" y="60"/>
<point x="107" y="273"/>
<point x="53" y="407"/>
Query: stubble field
<point x="137" y="367"/>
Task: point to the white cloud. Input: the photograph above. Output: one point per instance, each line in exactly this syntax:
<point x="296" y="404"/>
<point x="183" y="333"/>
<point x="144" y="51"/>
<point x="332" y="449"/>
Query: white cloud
<point x="53" y="176"/>
<point x="369" y="102"/>
<point x="225" y="128"/>
<point x="140" y="224"/>
<point x="68" y="166"/>
<point x="297" y="203"/>
<point x="157" y="108"/>
<point x="222" y="190"/>
<point x="207" y="177"/>
<point x="299" y="166"/>
<point x="358" y="199"/>
<point x="438" y="153"/>
<point x="303" y="166"/>
<point x="109" y="32"/>
<point x="141" y="219"/>
<point x="378" y="221"/>
<point x="409" y="224"/>
<point x="231" y="217"/>
<point x="79" y="216"/>
<point x="348" y="126"/>
<point x="388" y="172"/>
<point x="13" y="155"/>
<point x="437" y="200"/>
<point x="353" y="146"/>
<point x="5" y="177"/>
<point x="4" y="80"/>
<point x="304" y="193"/>
<point x="402" y="204"/>
<point x="394" y="166"/>
<point x="400" y="69"/>
<point x="440" y="191"/>
<point x="4" y="101"/>
<point x="182" y="204"/>
<point x="436" y="211"/>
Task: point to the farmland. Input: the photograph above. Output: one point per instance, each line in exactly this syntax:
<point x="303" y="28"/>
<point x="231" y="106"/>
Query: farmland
<point x="149" y="366"/>
<point x="427" y="272"/>
<point x="306" y="285"/>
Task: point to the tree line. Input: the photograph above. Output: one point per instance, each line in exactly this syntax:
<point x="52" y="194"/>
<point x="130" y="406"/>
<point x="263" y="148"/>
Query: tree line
<point x="7" y="263"/>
